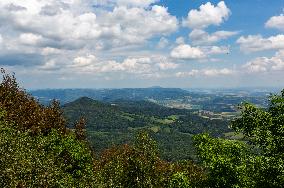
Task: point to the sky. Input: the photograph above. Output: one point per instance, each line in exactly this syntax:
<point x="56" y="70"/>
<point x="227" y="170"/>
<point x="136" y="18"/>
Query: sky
<point x="143" y="43"/>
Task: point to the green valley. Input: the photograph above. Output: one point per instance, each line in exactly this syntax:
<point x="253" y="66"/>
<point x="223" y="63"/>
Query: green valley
<point x="117" y="122"/>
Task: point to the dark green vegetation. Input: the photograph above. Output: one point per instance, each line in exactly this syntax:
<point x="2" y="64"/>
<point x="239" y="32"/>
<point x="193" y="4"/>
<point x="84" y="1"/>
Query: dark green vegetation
<point x="117" y="122"/>
<point x="38" y="149"/>
<point x="256" y="162"/>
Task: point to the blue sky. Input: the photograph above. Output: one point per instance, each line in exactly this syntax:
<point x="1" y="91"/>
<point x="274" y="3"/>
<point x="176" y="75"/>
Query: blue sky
<point x="141" y="43"/>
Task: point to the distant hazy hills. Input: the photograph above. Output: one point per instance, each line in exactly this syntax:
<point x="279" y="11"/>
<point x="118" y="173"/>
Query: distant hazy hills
<point x="68" y="95"/>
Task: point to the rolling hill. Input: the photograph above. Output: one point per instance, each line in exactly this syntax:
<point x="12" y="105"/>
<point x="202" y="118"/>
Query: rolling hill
<point x="116" y="122"/>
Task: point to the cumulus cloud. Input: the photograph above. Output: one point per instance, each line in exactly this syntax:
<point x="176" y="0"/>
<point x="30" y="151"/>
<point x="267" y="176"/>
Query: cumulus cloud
<point x="217" y="50"/>
<point x="265" y="64"/>
<point x="180" y="40"/>
<point x="1" y="40"/>
<point x="163" y="63"/>
<point x="206" y="72"/>
<point x="50" y="65"/>
<point x="136" y="3"/>
<point x="185" y="51"/>
<point x="29" y="38"/>
<point x="217" y="72"/>
<point x="207" y="15"/>
<point x="131" y="65"/>
<point x="128" y="3"/>
<point x="76" y="22"/>
<point x="63" y="26"/>
<point x="51" y="51"/>
<point x="163" y="42"/>
<point x="136" y="25"/>
<point x="198" y="36"/>
<point x="123" y="24"/>
<point x="84" y="61"/>
<point x="167" y="65"/>
<point x="276" y="22"/>
<point x="254" y="43"/>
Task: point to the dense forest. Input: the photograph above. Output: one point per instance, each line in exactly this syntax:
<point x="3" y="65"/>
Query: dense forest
<point x="117" y="122"/>
<point x="38" y="148"/>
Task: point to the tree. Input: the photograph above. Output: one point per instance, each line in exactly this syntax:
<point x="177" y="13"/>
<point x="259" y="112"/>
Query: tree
<point x="80" y="129"/>
<point x="225" y="159"/>
<point x="51" y="160"/>
<point x="264" y="128"/>
<point x="139" y="165"/>
<point x="36" y="149"/>
<point x="256" y="162"/>
<point x="23" y="111"/>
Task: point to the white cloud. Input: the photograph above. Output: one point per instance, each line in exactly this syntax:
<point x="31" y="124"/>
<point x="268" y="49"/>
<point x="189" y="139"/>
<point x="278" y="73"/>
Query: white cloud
<point x="131" y="65"/>
<point x="30" y="38"/>
<point x="127" y="3"/>
<point x="206" y="73"/>
<point x="254" y="43"/>
<point x="185" y="51"/>
<point x="191" y="73"/>
<point x="265" y="64"/>
<point x="50" y="65"/>
<point x="136" y="3"/>
<point x="136" y="25"/>
<point x="198" y="36"/>
<point x="75" y="24"/>
<point x="163" y="43"/>
<point x="163" y="63"/>
<point x="218" y="50"/>
<point x="167" y="65"/>
<point x="218" y="72"/>
<point x="54" y="35"/>
<point x="50" y="51"/>
<point x="276" y="22"/>
<point x="63" y="26"/>
<point x="1" y="39"/>
<point x="84" y="61"/>
<point x="207" y="15"/>
<point x="180" y="40"/>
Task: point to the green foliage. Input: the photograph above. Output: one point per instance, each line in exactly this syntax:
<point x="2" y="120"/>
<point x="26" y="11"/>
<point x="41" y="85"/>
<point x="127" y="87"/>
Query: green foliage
<point x="130" y="166"/>
<point x="265" y="130"/>
<point x="52" y="160"/>
<point x="179" y="180"/>
<point x="24" y="112"/>
<point x="138" y="165"/>
<point x="225" y="159"/>
<point x="259" y="162"/>
<point x="36" y="149"/>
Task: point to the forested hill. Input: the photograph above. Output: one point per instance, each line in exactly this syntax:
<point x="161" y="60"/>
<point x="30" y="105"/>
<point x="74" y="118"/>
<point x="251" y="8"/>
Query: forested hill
<point x="116" y="123"/>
